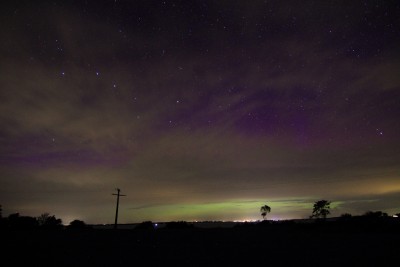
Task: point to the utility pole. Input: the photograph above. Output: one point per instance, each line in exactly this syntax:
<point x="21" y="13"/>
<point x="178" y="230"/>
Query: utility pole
<point x="116" y="212"/>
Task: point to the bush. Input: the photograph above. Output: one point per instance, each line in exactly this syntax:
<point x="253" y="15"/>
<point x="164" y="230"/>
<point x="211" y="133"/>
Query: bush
<point x="77" y="224"/>
<point x="179" y="225"/>
<point x="147" y="225"/>
<point x="345" y="217"/>
<point x="375" y="214"/>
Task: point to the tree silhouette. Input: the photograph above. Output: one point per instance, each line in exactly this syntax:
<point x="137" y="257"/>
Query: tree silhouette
<point x="43" y="218"/>
<point x="321" y="209"/>
<point x="265" y="210"/>
<point x="2" y="221"/>
<point x="47" y="221"/>
<point x="345" y="217"/>
<point x="77" y="224"/>
<point x="16" y="221"/>
<point x="375" y="214"/>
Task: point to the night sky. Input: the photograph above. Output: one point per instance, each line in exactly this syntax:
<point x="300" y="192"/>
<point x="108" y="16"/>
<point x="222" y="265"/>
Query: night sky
<point x="199" y="110"/>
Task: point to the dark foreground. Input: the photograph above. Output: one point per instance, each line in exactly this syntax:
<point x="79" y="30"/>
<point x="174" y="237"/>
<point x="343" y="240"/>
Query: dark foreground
<point x="283" y="245"/>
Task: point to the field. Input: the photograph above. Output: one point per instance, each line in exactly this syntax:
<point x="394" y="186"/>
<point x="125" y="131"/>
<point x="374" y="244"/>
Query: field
<point x="271" y="245"/>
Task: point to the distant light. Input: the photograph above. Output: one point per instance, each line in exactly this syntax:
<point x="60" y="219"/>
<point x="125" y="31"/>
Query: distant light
<point x="245" y="220"/>
<point x="395" y="216"/>
<point x="156" y="224"/>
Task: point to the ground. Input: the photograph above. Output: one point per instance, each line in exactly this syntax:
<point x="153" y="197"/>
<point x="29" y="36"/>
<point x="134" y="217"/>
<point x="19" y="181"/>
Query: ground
<point x="244" y="246"/>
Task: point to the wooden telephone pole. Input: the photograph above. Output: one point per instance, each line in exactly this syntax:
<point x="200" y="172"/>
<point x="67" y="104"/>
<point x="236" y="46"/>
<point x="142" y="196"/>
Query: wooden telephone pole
<point x="116" y="212"/>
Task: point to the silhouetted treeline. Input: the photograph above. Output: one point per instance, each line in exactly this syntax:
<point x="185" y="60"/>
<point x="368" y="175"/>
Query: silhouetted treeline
<point x="146" y="225"/>
<point x="15" y="221"/>
<point x="45" y="221"/>
<point x="369" y="222"/>
<point x="179" y="225"/>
